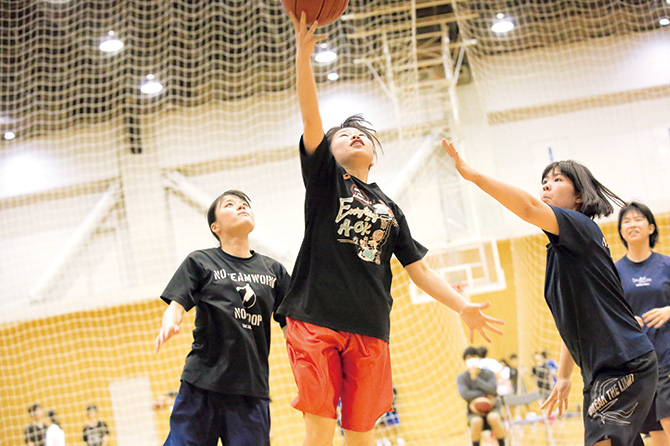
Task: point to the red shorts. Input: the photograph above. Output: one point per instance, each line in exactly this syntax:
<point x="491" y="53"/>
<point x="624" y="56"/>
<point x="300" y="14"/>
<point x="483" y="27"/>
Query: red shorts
<point x="329" y="366"/>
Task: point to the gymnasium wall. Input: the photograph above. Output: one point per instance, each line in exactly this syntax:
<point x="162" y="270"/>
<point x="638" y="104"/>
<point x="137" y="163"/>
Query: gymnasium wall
<point x="114" y="343"/>
<point x="99" y="347"/>
<point x="109" y="345"/>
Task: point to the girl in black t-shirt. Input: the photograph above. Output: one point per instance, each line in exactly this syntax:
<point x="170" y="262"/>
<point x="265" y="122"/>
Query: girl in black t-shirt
<point x="339" y="301"/>
<point x="584" y="294"/>
<point x="95" y="432"/>
<point x="224" y="391"/>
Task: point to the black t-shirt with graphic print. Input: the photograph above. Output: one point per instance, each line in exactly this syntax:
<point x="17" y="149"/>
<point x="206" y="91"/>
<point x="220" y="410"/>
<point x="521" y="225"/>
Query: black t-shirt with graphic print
<point x="35" y="433"/>
<point x="93" y="435"/>
<point x="342" y="276"/>
<point x="584" y="294"/>
<point x="234" y="299"/>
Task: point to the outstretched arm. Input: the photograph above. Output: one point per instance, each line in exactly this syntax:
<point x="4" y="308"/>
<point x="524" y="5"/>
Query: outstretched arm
<point x="561" y="391"/>
<point x="171" y="323"/>
<point x="435" y="286"/>
<point x="523" y="204"/>
<point x="305" y="41"/>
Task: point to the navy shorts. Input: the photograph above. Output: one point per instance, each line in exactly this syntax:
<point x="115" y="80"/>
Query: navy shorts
<point x="661" y="407"/>
<point x="618" y="400"/>
<point x="202" y="417"/>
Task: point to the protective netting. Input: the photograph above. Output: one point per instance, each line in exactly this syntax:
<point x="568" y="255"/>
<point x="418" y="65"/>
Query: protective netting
<point x="104" y="179"/>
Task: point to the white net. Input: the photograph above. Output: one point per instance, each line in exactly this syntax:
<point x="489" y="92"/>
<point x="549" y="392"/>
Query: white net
<point x="104" y="180"/>
<point x="104" y="177"/>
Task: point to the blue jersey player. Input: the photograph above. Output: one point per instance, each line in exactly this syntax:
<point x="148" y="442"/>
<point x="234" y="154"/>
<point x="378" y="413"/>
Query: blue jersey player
<point x="645" y="276"/>
<point x="584" y="294"/>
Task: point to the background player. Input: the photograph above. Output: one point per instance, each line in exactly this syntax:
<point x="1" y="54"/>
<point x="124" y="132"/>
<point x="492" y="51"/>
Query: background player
<point x="95" y="432"/>
<point x="224" y="391"/>
<point x="34" y="432"/>
<point x="477" y="382"/>
<point x="645" y="276"/>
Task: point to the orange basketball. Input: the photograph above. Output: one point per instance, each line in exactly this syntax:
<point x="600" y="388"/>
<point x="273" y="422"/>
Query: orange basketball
<point x="325" y="11"/>
<point x="482" y="405"/>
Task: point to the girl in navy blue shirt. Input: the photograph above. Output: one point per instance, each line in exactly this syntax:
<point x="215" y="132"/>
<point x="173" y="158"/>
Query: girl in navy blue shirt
<point x="584" y="294"/>
<point x="645" y="276"/>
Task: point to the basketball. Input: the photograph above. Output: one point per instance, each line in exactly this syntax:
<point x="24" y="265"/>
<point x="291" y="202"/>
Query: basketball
<point x="325" y="11"/>
<point x="482" y="405"/>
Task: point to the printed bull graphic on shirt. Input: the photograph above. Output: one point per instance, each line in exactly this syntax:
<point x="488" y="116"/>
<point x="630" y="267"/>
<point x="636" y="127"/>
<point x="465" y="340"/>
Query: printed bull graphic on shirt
<point x="248" y="301"/>
<point x="247" y="294"/>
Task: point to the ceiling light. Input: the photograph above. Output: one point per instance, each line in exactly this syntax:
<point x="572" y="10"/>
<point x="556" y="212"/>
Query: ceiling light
<point x="9" y="135"/>
<point x="324" y="54"/>
<point x="664" y="21"/>
<point x="333" y="76"/>
<point x="500" y="15"/>
<point x="150" y="85"/>
<point x="110" y="43"/>
<point x="502" y="26"/>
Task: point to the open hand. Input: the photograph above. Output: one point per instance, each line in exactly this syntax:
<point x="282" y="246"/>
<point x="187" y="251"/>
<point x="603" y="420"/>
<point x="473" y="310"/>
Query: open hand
<point x="559" y="397"/>
<point x="467" y="172"/>
<point x="305" y="38"/>
<point x="168" y="329"/>
<point x="476" y="320"/>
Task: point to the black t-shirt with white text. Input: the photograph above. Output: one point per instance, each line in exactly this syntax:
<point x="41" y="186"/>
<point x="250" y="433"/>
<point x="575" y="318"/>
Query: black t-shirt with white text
<point x="234" y="299"/>
<point x="342" y="276"/>
<point x="584" y="294"/>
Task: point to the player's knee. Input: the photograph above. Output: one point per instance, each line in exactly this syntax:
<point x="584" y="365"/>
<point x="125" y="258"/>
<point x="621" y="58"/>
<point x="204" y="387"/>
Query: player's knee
<point x="359" y="438"/>
<point x="319" y="431"/>
<point x="476" y="423"/>
<point x="493" y="418"/>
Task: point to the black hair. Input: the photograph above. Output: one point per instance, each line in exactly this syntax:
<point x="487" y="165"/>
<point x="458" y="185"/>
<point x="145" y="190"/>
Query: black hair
<point x="91" y="407"/>
<point x="51" y="414"/>
<point x="33" y="407"/>
<point x="470" y="351"/>
<point x="594" y="195"/>
<point x="646" y="213"/>
<point x="211" y="212"/>
<point x="513" y="356"/>
<point x="357" y="122"/>
<point x="483" y="351"/>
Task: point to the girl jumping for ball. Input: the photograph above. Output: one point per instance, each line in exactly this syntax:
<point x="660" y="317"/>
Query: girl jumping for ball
<point x="339" y="300"/>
